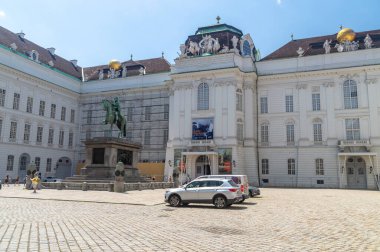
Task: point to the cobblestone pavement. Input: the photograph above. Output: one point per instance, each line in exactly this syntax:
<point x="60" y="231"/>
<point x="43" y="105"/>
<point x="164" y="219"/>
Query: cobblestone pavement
<point x="280" y="220"/>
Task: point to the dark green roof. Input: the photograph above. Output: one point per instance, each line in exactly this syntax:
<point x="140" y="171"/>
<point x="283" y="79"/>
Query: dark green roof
<point x="217" y="28"/>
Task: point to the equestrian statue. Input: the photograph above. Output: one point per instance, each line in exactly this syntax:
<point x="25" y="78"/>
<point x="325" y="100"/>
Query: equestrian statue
<point x="113" y="116"/>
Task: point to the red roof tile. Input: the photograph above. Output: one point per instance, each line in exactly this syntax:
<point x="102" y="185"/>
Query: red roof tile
<point x="314" y="46"/>
<point x="25" y="46"/>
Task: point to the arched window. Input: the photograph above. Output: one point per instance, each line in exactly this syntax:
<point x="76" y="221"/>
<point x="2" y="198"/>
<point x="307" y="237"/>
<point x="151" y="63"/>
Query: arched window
<point x="239" y="100"/>
<point x="246" y="48"/>
<point x="203" y="96"/>
<point x="350" y="93"/>
<point x="239" y="130"/>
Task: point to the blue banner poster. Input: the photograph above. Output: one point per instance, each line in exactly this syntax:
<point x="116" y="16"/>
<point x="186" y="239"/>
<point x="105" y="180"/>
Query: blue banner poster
<point x="203" y="128"/>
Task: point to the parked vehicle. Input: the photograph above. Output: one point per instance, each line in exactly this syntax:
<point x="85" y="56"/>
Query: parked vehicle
<point x="220" y="192"/>
<point x="253" y="191"/>
<point x="51" y="179"/>
<point x="240" y="180"/>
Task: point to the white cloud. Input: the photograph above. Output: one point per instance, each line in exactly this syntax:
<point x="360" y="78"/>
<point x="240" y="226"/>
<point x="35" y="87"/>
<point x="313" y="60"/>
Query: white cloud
<point x="279" y="2"/>
<point x="2" y="14"/>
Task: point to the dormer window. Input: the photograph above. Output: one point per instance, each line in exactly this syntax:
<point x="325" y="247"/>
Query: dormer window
<point x="246" y="48"/>
<point x="34" y="55"/>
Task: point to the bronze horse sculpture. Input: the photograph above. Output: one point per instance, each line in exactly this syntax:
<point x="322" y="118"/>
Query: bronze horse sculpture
<point x="113" y="116"/>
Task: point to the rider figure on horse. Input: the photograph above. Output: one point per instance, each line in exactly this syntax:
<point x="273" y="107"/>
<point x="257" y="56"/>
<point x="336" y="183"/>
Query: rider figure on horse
<point x="116" y="107"/>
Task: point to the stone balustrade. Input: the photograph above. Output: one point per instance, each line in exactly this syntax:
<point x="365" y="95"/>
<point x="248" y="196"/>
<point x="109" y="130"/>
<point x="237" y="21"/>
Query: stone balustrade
<point x="84" y="186"/>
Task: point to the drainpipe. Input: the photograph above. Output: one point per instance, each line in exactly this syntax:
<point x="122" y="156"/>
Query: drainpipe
<point x="257" y="122"/>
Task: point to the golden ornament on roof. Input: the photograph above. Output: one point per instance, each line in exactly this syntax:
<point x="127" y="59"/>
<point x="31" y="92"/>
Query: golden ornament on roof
<point x="114" y="64"/>
<point x="345" y="34"/>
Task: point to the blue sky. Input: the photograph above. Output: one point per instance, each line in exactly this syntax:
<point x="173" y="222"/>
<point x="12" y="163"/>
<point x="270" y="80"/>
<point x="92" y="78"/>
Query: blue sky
<point x="93" y="32"/>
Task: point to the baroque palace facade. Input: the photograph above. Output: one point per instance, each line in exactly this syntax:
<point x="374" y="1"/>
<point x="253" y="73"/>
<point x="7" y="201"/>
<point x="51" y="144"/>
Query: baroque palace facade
<point x="307" y="115"/>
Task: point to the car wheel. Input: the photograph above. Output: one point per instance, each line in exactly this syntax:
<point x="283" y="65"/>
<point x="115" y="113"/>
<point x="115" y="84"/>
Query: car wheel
<point x="220" y="202"/>
<point x="174" y="200"/>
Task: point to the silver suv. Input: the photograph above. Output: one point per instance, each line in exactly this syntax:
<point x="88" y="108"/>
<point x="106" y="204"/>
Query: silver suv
<point x="220" y="192"/>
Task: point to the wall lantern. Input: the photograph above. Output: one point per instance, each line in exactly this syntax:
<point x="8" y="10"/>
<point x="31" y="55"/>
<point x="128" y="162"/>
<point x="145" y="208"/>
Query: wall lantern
<point x="370" y="169"/>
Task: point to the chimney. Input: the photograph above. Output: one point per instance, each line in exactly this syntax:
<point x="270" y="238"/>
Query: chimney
<point x="51" y="50"/>
<point x="21" y="34"/>
<point x="74" y="62"/>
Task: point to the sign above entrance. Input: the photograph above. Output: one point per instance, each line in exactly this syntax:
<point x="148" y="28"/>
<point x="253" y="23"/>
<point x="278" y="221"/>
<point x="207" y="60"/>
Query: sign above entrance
<point x="203" y="128"/>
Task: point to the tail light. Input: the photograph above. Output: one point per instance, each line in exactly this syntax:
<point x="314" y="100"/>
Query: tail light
<point x="242" y="188"/>
<point x="232" y="189"/>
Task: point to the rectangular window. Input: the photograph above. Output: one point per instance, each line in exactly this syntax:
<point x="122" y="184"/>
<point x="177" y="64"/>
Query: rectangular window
<point x="1" y="127"/>
<point x="16" y="101"/>
<point x="316" y="100"/>
<point x="2" y="97"/>
<point x="166" y="112"/>
<point x="39" y="134"/>
<point x="53" y="110"/>
<point x="291" y="166"/>
<point x="61" y="137"/>
<point x="239" y="102"/>
<point x="38" y="163"/>
<point x="89" y="116"/>
<point x="71" y="137"/>
<point x="48" y="165"/>
<point x="350" y="92"/>
<point x="51" y="136"/>
<point x="289" y="103"/>
<point x="353" y="129"/>
<point x="317" y="128"/>
<point x="147" y="137"/>
<point x="264" y="133"/>
<point x="63" y="114"/>
<point x="27" y="133"/>
<point x="319" y="170"/>
<point x="42" y="108"/>
<point x="264" y="166"/>
<point x="12" y="135"/>
<point x="239" y="132"/>
<point x="320" y="181"/>
<point x="166" y="135"/>
<point x="263" y="105"/>
<point x="290" y="133"/>
<point x="130" y="114"/>
<point x="72" y="116"/>
<point x="10" y="162"/>
<point x="29" y="105"/>
<point x="148" y="111"/>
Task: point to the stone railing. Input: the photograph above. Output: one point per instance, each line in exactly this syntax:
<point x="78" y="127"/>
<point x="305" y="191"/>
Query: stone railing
<point x="85" y="186"/>
<point x="348" y="143"/>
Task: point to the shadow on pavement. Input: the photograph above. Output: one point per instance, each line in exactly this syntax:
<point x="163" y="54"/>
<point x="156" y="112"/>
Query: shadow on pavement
<point x="194" y="206"/>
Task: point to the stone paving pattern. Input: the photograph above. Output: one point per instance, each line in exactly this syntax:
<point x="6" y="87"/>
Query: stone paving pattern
<point x="279" y="220"/>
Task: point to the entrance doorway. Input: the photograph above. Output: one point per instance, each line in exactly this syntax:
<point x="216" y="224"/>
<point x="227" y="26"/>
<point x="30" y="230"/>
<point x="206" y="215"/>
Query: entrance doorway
<point x="23" y="162"/>
<point x="356" y="173"/>
<point x="202" y="165"/>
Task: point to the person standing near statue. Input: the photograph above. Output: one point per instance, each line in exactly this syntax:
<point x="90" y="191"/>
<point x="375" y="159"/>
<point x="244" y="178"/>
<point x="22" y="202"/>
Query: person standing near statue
<point x="35" y="182"/>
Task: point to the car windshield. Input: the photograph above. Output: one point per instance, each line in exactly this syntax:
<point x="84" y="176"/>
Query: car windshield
<point x="232" y="183"/>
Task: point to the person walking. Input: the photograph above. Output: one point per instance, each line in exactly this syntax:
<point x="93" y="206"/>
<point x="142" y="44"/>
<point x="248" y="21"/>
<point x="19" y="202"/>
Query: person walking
<point x="35" y="182"/>
<point x="17" y="181"/>
<point x="6" y="180"/>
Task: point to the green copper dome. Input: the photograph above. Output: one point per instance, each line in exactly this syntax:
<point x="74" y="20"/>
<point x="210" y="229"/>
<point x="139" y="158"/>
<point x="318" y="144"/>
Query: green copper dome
<point x="217" y="28"/>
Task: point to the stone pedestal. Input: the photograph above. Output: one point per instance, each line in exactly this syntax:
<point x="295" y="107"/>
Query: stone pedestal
<point x="119" y="178"/>
<point x="102" y="155"/>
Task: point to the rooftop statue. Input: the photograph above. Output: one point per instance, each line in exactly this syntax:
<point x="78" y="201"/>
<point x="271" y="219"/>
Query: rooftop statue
<point x="234" y="44"/>
<point x="368" y="42"/>
<point x="327" y="46"/>
<point x="113" y="115"/>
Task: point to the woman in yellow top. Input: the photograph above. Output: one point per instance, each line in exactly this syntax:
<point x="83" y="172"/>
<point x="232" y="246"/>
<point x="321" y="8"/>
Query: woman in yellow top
<point x="35" y="182"/>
